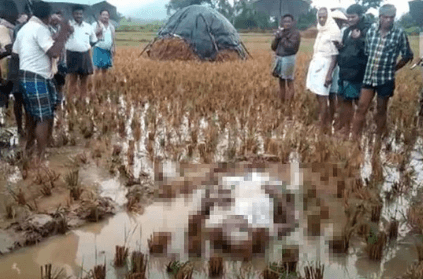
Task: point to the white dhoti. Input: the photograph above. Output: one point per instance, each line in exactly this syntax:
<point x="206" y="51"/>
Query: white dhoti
<point x="316" y="76"/>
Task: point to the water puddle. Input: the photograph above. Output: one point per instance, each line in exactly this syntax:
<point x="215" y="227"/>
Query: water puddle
<point x="95" y="243"/>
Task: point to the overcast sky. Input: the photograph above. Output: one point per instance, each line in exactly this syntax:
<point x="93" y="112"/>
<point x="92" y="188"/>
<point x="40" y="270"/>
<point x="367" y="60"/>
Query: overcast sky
<point x="155" y="9"/>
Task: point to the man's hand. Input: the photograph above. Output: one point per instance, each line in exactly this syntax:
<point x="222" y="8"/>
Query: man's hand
<point x="99" y="31"/>
<point x="418" y="61"/>
<point x="402" y="63"/>
<point x="9" y="48"/>
<point x="338" y="45"/>
<point x="355" y="34"/>
<point x="328" y="81"/>
<point x="278" y="34"/>
<point x="66" y="26"/>
<point x="7" y="52"/>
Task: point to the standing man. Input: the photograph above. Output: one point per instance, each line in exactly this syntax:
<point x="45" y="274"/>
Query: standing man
<point x="36" y="49"/>
<point x="78" y="58"/>
<point x="8" y="16"/>
<point x="384" y="43"/>
<point x="59" y="65"/>
<point x="321" y="70"/>
<point x="105" y="49"/>
<point x="340" y="19"/>
<point x="352" y="64"/>
<point x="13" y="77"/>
<point x="286" y="45"/>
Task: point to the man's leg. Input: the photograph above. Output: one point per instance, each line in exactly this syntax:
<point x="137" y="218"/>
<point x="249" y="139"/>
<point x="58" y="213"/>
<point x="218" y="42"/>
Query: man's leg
<point x="83" y="87"/>
<point x="72" y="87"/>
<point x="382" y="107"/>
<point x="41" y="133"/>
<point x="282" y="89"/>
<point x="291" y="90"/>
<point x="50" y="124"/>
<point x="366" y="98"/>
<point x="346" y="116"/>
<point x="17" y="108"/>
<point x="30" y="133"/>
<point x="323" y="111"/>
<point x="340" y="121"/>
<point x="4" y="100"/>
<point x="332" y="107"/>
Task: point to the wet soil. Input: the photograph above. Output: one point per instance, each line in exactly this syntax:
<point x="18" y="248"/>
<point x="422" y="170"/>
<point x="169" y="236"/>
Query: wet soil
<point x="99" y="220"/>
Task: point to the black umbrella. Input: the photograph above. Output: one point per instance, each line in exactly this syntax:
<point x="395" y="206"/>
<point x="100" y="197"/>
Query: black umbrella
<point x="9" y="10"/>
<point x="278" y="8"/>
<point x="91" y="11"/>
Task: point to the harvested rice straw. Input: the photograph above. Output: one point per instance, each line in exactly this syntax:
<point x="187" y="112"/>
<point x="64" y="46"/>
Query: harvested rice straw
<point x="172" y="49"/>
<point x="227" y="55"/>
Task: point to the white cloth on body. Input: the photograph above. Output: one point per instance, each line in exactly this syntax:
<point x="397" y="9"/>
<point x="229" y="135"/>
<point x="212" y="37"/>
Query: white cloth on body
<point x="32" y="43"/>
<point x="81" y="38"/>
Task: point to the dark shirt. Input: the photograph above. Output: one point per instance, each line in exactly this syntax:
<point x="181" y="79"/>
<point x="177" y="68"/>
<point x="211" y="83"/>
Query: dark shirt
<point x="352" y="59"/>
<point x="288" y="44"/>
<point x="383" y="53"/>
<point x="16" y="30"/>
<point x="14" y="60"/>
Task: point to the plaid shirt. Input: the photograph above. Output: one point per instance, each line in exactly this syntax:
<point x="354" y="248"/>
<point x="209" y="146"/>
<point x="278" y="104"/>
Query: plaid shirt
<point x="383" y="53"/>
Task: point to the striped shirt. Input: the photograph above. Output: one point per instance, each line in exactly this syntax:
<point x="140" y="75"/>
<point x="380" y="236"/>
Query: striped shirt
<point x="383" y="53"/>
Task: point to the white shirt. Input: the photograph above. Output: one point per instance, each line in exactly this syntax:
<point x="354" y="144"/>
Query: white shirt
<point x="32" y="43"/>
<point x="81" y="38"/>
<point x="105" y="41"/>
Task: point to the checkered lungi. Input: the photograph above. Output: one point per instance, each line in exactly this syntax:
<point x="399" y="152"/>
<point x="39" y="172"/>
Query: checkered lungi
<point x="39" y="95"/>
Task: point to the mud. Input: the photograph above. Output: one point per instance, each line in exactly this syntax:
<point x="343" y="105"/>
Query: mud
<point x="30" y="215"/>
<point x="189" y="212"/>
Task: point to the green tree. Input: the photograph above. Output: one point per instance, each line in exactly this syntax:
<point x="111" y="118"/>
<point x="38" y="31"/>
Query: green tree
<point x="226" y="9"/>
<point x="246" y="17"/>
<point x="406" y="21"/>
<point x="308" y="19"/>
<point x="241" y="13"/>
<point x="368" y="4"/>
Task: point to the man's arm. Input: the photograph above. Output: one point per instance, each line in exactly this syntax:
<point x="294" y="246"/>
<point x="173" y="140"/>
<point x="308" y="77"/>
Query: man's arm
<point x="406" y="52"/>
<point x="276" y="40"/>
<point x="7" y="52"/>
<point x="332" y="66"/>
<point x="114" y="41"/>
<point x="5" y="42"/>
<point x="291" y="41"/>
<point x="275" y="43"/>
<point x="93" y="37"/>
<point x="55" y="49"/>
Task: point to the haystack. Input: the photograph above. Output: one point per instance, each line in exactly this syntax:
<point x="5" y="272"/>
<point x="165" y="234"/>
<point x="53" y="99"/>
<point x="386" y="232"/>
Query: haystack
<point x="197" y="33"/>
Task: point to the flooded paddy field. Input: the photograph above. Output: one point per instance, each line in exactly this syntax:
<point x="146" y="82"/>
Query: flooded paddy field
<point x="200" y="170"/>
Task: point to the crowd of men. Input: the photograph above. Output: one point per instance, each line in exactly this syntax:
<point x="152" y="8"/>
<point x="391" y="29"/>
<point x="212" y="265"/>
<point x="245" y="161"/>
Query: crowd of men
<point x="44" y="50"/>
<point x="352" y="61"/>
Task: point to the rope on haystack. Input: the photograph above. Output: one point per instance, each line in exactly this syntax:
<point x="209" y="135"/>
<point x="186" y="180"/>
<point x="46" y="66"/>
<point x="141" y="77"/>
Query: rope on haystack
<point x="175" y="47"/>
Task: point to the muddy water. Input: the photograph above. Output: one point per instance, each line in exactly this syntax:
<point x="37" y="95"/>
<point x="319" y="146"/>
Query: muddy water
<point x="94" y="244"/>
<point x="83" y="248"/>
